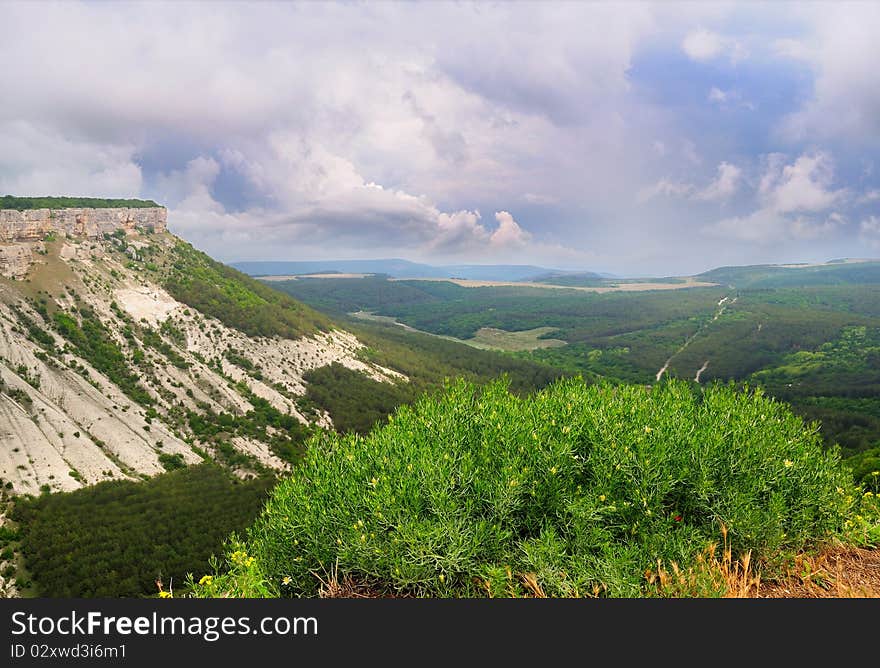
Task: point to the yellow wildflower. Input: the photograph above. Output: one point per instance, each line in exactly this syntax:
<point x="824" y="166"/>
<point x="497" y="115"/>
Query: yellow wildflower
<point x="601" y="497"/>
<point x="206" y="580"/>
<point x="164" y="594"/>
<point x="788" y="463"/>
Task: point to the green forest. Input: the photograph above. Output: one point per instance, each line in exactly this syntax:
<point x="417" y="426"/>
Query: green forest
<point x="117" y="538"/>
<point x="26" y="203"/>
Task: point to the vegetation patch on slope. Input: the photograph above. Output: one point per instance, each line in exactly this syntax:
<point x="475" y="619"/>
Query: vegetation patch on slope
<point x="576" y="490"/>
<point x="237" y="300"/>
<point x="355" y="402"/>
<point x="117" y="538"/>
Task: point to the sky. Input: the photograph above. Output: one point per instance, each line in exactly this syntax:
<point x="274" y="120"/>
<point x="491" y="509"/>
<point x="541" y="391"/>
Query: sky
<point x="634" y="138"/>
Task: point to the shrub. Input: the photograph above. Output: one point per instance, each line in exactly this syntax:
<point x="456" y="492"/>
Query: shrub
<point x="575" y="490"/>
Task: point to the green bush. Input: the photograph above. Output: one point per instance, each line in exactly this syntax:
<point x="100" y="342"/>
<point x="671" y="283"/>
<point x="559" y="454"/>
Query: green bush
<point x="585" y="487"/>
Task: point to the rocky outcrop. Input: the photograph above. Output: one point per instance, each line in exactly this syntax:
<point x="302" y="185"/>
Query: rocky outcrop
<point x="23" y="232"/>
<point x="36" y="224"/>
<point x="15" y="260"/>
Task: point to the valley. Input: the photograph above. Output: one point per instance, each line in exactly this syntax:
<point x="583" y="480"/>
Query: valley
<point x="137" y="370"/>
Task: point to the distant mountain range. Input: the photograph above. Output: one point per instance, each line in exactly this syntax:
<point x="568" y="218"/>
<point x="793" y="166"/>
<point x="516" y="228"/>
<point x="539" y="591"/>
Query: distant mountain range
<point x="398" y="268"/>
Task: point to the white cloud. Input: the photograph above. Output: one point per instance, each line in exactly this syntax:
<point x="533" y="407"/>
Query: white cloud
<point x="721" y="188"/>
<point x="729" y="98"/>
<point x="869" y="230"/>
<point x="36" y="160"/>
<point x="702" y="44"/>
<point x="666" y="188"/>
<point x="792" y="198"/>
<point x="791" y="48"/>
<point x="718" y="95"/>
<point x="508" y="233"/>
<point x="536" y="198"/>
<point x="842" y="48"/>
<point x="724" y="186"/>
<point x="804" y="185"/>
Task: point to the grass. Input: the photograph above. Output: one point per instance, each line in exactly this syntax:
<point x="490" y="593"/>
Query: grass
<point x="485" y="338"/>
<point x="576" y="490"/>
<point x="499" y="339"/>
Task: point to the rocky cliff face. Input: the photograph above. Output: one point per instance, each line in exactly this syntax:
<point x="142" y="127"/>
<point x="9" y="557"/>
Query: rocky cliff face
<point x="35" y="224"/>
<point x="22" y="232"/>
<point x="16" y="259"/>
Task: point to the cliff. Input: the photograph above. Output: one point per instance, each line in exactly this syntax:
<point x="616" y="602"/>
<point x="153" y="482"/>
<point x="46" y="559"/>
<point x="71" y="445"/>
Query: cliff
<point x="35" y="224"/>
<point x="22" y="232"/>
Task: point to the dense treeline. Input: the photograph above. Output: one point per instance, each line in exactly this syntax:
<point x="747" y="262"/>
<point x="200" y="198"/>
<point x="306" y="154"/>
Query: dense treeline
<point x="343" y="295"/>
<point x="26" y="203"/>
<point x="356" y="402"/>
<point x="442" y="307"/>
<point x="118" y="537"/>
<point x="774" y="276"/>
<point x="237" y="300"/>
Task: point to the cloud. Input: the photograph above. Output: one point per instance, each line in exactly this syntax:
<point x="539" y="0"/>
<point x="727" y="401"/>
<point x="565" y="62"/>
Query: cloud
<point x="729" y="98"/>
<point x="536" y="198"/>
<point x="841" y="48"/>
<point x="329" y="202"/>
<point x="792" y="197"/>
<point x="37" y="160"/>
<point x="869" y="231"/>
<point x="508" y="233"/>
<point x="704" y="45"/>
<point x="666" y="188"/>
<point x="870" y="196"/>
<point x="371" y="129"/>
<point x="724" y="186"/>
<point x="804" y="185"/>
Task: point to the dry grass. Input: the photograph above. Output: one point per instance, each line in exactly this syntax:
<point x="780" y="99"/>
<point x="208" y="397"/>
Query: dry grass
<point x="712" y="575"/>
<point x="334" y="586"/>
<point x="838" y="571"/>
<point x="688" y="282"/>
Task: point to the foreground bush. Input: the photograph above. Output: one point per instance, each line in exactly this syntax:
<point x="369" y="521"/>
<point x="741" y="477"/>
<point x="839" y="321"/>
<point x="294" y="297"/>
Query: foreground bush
<point x="575" y="490"/>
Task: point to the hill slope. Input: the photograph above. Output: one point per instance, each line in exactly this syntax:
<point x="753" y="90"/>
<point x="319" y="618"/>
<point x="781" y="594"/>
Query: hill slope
<point x="124" y="355"/>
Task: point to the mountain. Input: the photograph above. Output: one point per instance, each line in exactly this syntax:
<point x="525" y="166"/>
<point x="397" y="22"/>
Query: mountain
<point x="125" y="352"/>
<point x="398" y="269"/>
